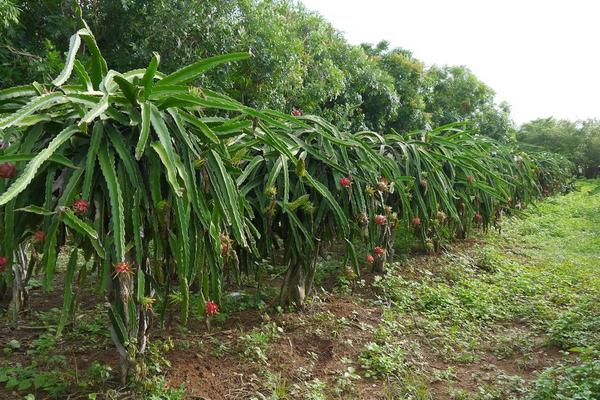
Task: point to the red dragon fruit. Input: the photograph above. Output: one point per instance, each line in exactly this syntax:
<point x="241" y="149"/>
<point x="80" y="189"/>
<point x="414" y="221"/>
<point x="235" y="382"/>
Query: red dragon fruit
<point x="345" y="181"/>
<point x="8" y="170"/>
<point x="80" y="206"/>
<point x="211" y="308"/>
<point x="39" y="236"/>
<point x="380" y="219"/>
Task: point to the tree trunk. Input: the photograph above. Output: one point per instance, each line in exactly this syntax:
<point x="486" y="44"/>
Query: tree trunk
<point x="385" y="242"/>
<point x="124" y="361"/>
<point x="378" y="265"/>
<point x="310" y="278"/>
<point x="135" y="322"/>
<point x="293" y="290"/>
<point x="19" y="295"/>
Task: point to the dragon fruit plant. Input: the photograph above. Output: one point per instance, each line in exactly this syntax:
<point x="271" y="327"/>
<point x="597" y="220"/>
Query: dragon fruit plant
<point x="467" y="179"/>
<point x="303" y="201"/>
<point x="134" y="169"/>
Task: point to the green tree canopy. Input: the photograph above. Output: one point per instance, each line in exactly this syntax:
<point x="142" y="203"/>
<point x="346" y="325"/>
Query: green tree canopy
<point x="299" y="60"/>
<point x="579" y="141"/>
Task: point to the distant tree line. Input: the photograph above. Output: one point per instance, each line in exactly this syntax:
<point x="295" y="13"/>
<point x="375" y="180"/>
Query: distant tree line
<point x="579" y="141"/>
<point x="299" y="61"/>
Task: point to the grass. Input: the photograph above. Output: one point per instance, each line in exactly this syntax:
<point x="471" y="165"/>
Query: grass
<point x="507" y="315"/>
<point x="533" y="288"/>
<point x="562" y="382"/>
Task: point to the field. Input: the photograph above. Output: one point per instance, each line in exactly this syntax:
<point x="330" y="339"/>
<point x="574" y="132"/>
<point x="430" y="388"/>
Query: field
<point x="280" y="214"/>
<point x="508" y="314"/>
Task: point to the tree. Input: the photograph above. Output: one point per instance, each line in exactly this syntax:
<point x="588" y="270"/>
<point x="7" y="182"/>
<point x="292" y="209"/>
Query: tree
<point x="409" y="78"/>
<point x="493" y="120"/>
<point x="299" y="60"/>
<point x="9" y="13"/>
<point x="590" y="136"/>
<point x="578" y="141"/>
<point x="28" y="31"/>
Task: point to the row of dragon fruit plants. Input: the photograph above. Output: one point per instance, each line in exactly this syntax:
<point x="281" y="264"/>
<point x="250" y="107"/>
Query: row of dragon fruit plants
<point x="152" y="187"/>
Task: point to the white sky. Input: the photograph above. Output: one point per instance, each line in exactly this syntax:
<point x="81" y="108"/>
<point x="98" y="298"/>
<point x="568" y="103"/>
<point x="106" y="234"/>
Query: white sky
<point x="542" y="57"/>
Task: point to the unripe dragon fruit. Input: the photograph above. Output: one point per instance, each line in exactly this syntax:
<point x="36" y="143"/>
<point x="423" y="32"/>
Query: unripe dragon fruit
<point x="225" y="244"/>
<point x="441" y="216"/>
<point x="271" y="192"/>
<point x="382" y="185"/>
<point x="363" y="219"/>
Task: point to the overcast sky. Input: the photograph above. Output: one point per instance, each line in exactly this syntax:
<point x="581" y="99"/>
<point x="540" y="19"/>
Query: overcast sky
<point x="542" y="57"/>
